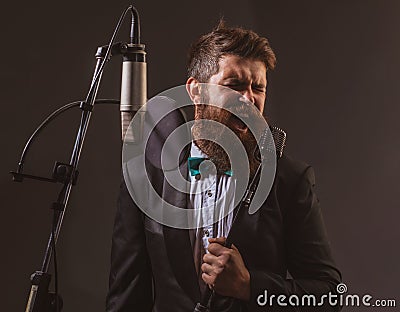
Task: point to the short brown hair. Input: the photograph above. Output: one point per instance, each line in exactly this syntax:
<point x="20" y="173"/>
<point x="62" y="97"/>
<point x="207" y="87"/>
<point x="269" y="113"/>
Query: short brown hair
<point x="205" y="53"/>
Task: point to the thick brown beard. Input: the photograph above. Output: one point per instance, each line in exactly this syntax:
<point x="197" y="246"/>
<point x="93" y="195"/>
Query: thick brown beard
<point x="213" y="150"/>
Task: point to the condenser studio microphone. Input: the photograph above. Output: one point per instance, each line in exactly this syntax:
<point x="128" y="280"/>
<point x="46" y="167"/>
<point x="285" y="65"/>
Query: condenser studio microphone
<point x="133" y="92"/>
<point x="133" y="84"/>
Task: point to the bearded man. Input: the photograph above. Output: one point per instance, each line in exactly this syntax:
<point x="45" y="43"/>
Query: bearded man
<point x="281" y="249"/>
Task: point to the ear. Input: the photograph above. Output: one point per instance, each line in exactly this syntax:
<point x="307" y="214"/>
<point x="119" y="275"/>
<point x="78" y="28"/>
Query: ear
<point x="193" y="89"/>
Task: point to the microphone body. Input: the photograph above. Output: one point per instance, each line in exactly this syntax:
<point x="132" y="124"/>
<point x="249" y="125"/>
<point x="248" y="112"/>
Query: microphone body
<point x="265" y="147"/>
<point x="133" y="92"/>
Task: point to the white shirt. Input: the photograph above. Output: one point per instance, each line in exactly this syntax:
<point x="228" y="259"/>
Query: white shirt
<point x="217" y="193"/>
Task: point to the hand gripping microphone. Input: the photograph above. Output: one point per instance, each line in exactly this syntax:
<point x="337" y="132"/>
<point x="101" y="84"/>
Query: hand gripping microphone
<point x="133" y="85"/>
<point x="265" y="148"/>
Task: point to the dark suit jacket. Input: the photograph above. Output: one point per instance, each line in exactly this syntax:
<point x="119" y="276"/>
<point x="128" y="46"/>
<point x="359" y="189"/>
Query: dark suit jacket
<point x="152" y="266"/>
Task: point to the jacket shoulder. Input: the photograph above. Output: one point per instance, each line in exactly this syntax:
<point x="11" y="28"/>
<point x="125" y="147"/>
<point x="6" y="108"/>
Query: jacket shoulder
<point x="289" y="167"/>
<point x="290" y="171"/>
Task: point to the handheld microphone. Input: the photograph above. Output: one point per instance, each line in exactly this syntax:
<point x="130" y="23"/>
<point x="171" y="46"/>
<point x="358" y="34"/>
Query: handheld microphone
<point x="265" y="145"/>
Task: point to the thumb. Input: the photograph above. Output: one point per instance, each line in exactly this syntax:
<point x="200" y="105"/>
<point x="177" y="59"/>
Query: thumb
<point x="234" y="248"/>
<point x="218" y="240"/>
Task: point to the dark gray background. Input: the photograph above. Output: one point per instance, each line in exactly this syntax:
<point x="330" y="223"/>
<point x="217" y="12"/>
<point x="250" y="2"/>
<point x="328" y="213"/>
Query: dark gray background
<point x="335" y="91"/>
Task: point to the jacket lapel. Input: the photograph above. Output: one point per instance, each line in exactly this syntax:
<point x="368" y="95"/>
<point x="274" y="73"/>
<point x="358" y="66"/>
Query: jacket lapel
<point x="178" y="245"/>
<point x="177" y="241"/>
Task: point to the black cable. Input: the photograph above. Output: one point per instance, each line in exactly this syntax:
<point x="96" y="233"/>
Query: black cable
<point x="57" y="301"/>
<point x="53" y="246"/>
<point x="39" y="128"/>
<point x="90" y="100"/>
<point x="207" y="297"/>
<point x="49" y="119"/>
<point x="135" y="31"/>
<point x="82" y="127"/>
<point x="28" y="144"/>
<point x="136" y="34"/>
<point x="108" y="52"/>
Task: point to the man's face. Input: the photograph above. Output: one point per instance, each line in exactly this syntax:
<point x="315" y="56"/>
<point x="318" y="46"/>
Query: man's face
<point x="247" y="77"/>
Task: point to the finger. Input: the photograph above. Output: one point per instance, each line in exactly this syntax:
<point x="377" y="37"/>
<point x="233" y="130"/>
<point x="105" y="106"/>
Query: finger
<point x="218" y="240"/>
<point x="207" y="268"/>
<point x="217" y="249"/>
<point x="209" y="258"/>
<point x="217" y="263"/>
<point x="208" y="279"/>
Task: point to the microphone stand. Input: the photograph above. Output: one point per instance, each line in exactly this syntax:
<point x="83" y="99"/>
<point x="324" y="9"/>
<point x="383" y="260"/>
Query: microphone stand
<point x="40" y="300"/>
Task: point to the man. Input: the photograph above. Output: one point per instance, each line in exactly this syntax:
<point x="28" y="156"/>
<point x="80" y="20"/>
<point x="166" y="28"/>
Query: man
<point x="157" y="267"/>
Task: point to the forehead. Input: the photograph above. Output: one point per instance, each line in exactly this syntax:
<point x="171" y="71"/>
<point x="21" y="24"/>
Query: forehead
<point x="233" y="66"/>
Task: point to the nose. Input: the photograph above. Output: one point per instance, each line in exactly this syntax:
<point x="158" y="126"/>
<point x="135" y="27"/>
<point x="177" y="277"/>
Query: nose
<point x="248" y="94"/>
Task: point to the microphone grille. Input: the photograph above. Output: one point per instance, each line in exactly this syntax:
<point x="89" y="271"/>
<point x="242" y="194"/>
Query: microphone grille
<point x="267" y="146"/>
<point x="280" y="139"/>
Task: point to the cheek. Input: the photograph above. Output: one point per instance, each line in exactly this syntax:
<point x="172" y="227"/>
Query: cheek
<point x="260" y="103"/>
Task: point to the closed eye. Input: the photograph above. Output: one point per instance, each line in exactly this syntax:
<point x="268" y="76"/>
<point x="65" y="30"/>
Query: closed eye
<point x="238" y="85"/>
<point x="234" y="85"/>
<point x="259" y="88"/>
